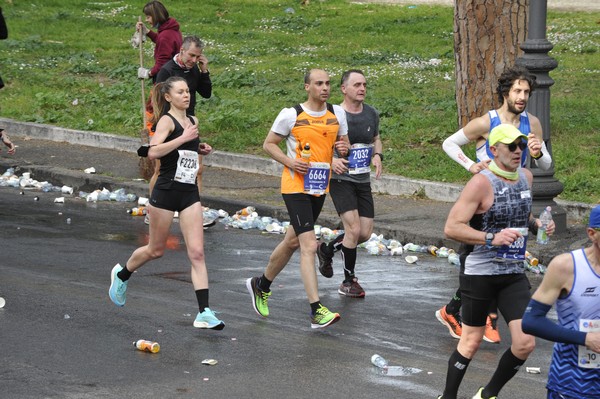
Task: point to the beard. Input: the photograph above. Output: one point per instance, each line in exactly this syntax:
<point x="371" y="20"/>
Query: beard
<point x="512" y="108"/>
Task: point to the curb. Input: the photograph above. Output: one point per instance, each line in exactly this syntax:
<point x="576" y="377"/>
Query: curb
<point x="388" y="184"/>
<point x="392" y="185"/>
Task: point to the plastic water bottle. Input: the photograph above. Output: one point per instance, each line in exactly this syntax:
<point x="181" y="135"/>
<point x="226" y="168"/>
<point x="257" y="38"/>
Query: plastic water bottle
<point x="545" y="218"/>
<point x="454" y="259"/>
<point x="379" y="361"/>
<point x="137" y="211"/>
<point x="432" y="249"/>
<point x="533" y="261"/>
<point x="306" y="152"/>
<point x="443" y="252"/>
<point x="147" y="346"/>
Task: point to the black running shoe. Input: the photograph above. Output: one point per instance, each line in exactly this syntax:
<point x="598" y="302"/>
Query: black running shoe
<point x="325" y="261"/>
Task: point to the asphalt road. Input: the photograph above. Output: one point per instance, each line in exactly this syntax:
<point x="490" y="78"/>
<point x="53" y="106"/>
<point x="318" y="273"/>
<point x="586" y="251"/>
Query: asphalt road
<point x="61" y="336"/>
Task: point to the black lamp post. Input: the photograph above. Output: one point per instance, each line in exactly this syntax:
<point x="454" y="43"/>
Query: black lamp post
<point x="538" y="62"/>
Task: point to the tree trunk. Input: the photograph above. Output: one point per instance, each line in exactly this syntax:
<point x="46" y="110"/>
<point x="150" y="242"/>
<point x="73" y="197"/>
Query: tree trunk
<point x="487" y="35"/>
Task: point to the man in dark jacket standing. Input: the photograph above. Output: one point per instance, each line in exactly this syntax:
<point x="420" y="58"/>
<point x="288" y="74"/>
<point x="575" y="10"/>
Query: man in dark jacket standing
<point x="192" y="65"/>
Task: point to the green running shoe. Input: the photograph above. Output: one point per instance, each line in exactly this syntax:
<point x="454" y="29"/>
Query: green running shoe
<point x="259" y="297"/>
<point x="323" y="317"/>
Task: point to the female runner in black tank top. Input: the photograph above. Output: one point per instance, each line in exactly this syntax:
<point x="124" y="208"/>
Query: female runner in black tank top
<point x="177" y="145"/>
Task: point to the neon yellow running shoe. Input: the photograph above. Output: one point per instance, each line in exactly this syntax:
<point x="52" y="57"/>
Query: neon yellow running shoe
<point x="323" y="317"/>
<point x="479" y="395"/>
<point x="259" y="297"/>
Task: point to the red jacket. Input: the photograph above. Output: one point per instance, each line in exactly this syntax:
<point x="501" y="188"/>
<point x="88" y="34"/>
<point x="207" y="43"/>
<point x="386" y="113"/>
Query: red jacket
<point x="167" y="43"/>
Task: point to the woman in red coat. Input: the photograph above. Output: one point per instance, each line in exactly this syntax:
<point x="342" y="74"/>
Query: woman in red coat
<point x="167" y="39"/>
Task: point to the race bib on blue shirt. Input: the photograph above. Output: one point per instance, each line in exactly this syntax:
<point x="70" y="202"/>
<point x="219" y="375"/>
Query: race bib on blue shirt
<point x="359" y="158"/>
<point x="516" y="250"/>
<point x="317" y="178"/>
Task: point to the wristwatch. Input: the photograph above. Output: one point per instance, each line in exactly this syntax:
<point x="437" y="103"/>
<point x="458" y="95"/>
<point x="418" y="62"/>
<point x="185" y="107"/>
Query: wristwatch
<point x="489" y="237"/>
<point x="380" y="155"/>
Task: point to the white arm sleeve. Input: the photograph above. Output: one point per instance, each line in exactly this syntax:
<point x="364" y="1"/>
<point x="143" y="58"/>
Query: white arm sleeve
<point x="452" y="147"/>
<point x="545" y="161"/>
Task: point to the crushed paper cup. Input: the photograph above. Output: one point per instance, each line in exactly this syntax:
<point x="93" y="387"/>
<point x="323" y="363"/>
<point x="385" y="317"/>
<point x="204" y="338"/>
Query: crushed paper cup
<point x="2" y="302"/>
<point x="274" y="228"/>
<point x="317" y="230"/>
<point x="396" y="251"/>
<point x="66" y="190"/>
<point x="90" y="170"/>
<point x="26" y="175"/>
<point x="142" y="201"/>
<point x="59" y="200"/>
<point x="411" y="259"/>
<point x="222" y="213"/>
<point x="210" y="362"/>
<point x="533" y="370"/>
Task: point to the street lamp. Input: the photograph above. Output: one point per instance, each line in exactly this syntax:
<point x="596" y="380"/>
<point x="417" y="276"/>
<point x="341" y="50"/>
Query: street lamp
<point x="537" y="61"/>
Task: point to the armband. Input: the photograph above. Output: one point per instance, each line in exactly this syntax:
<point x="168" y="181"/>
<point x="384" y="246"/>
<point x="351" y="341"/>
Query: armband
<point x="452" y="147"/>
<point x="536" y="323"/>
<point x="143" y="150"/>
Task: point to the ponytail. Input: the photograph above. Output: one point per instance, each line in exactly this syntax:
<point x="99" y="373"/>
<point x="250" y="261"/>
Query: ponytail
<point x="158" y="103"/>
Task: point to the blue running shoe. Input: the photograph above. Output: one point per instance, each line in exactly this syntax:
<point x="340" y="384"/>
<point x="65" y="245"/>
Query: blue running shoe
<point x="118" y="287"/>
<point x="207" y="319"/>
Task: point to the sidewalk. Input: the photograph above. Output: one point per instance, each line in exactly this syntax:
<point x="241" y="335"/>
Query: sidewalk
<point x="59" y="156"/>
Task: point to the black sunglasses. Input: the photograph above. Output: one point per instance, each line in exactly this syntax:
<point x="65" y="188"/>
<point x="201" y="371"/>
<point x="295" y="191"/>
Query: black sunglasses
<point x="512" y="147"/>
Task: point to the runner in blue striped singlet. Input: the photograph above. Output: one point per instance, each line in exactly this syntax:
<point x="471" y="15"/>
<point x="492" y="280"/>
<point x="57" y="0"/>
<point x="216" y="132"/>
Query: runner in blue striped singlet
<point x="572" y="284"/>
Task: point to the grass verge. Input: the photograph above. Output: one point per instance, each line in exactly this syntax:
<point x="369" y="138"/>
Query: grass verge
<point x="70" y="63"/>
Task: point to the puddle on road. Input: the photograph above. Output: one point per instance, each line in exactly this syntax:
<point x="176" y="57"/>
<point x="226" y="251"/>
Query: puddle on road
<point x="397" y="371"/>
<point x="178" y="276"/>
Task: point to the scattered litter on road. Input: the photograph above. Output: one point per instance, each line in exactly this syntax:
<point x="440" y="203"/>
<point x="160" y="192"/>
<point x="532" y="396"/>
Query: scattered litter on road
<point x="382" y="367"/>
<point x="533" y="370"/>
<point x="119" y="195"/>
<point x="210" y="362"/>
<point x="411" y="259"/>
<point x="247" y="218"/>
<point x="379" y="361"/>
<point x="2" y="302"/>
<point x="90" y="170"/>
<point x="147" y="346"/>
<point x="10" y="179"/>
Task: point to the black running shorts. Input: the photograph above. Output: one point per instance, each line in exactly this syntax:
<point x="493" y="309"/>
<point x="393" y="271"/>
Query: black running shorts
<point x="304" y="209"/>
<point x="348" y="196"/>
<point x="173" y="200"/>
<point x="511" y="290"/>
